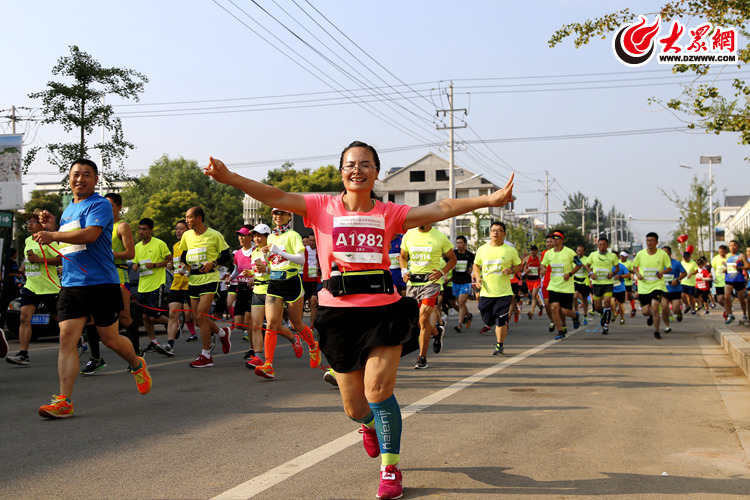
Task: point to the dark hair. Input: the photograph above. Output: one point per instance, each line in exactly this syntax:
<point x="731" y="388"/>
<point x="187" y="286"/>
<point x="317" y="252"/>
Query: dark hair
<point x="181" y="221"/>
<point x="114" y="197"/>
<point x="735" y="241"/>
<point x="360" y="144"/>
<point x="198" y="212"/>
<point x="534" y="247"/>
<point x="498" y="223"/>
<point x="701" y="260"/>
<point x="723" y="247"/>
<point x="85" y="162"/>
<point x="461" y="237"/>
<point x="248" y="226"/>
<point x="653" y="235"/>
<point x="146" y="222"/>
<point x="667" y="247"/>
<point x="603" y="238"/>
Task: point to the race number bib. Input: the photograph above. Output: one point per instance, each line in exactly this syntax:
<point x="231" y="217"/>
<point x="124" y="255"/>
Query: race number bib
<point x="731" y="268"/>
<point x="68" y="248"/>
<point x="358" y="239"/>
<point x="558" y="270"/>
<point x="395" y="264"/>
<point x="668" y="277"/>
<point x="533" y="271"/>
<point x="649" y="274"/>
<point x="461" y="266"/>
<point x="601" y="273"/>
<point x="143" y="270"/>
<point x="494" y="266"/>
<point x="195" y="256"/>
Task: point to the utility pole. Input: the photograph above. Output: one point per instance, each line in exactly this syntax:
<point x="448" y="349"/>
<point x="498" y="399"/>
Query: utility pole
<point x="13" y="119"/>
<point x="583" y="218"/>
<point x="451" y="177"/>
<point x="546" y="201"/>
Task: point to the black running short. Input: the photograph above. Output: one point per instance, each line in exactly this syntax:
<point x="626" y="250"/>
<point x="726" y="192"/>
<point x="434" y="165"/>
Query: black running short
<point x="289" y="289"/>
<point x="244" y="299"/>
<point x="102" y="302"/>
<point x="564" y="299"/>
<point x="348" y="333"/>
<point x="495" y="310"/>
<point x="646" y="298"/>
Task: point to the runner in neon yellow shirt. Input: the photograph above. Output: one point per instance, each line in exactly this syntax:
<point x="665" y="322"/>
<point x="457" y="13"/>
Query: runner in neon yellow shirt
<point x="563" y="264"/>
<point x="650" y="266"/>
<point x="151" y="259"/>
<point x="40" y="288"/>
<point x="628" y="282"/>
<point x="494" y="264"/>
<point x="600" y="264"/>
<point x="205" y="249"/>
<point x="688" y="282"/>
<point x="424" y="248"/>
<point x="719" y="269"/>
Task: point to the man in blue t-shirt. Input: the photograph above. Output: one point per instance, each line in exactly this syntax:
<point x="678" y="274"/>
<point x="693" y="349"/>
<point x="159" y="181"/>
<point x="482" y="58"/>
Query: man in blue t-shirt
<point x="674" y="289"/>
<point x="620" y="273"/>
<point x="90" y="284"/>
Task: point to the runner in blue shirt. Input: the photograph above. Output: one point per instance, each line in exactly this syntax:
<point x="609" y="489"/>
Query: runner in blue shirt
<point x="90" y="284"/>
<point x="674" y="289"/>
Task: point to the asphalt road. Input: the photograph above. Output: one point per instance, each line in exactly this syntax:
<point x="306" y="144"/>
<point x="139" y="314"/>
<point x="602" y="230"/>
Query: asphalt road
<point x="616" y="416"/>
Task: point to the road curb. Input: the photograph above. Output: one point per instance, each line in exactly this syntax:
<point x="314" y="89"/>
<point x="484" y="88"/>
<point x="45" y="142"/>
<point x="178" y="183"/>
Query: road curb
<point x="736" y="346"/>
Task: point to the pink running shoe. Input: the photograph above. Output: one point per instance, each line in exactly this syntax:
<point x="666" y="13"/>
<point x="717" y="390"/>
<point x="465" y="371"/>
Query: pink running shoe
<point x="297" y="346"/>
<point x="265" y="370"/>
<point x="226" y="342"/>
<point x="390" y="482"/>
<point x="370" y="440"/>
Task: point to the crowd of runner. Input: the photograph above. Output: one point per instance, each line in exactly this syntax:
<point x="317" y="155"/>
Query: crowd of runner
<point x="379" y="281"/>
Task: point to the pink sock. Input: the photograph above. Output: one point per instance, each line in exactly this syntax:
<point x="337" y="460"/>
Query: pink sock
<point x="231" y="311"/>
<point x="191" y="327"/>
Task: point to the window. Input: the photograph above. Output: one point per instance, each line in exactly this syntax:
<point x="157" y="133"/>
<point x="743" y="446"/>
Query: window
<point x="416" y="176"/>
<point x="484" y="228"/>
<point x="396" y="198"/>
<point x="441" y="175"/>
<point x="427" y="197"/>
<point x="463" y="226"/>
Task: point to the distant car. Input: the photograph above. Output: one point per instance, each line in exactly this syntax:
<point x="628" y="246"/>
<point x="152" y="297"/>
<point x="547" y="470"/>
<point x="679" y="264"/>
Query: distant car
<point x="42" y="324"/>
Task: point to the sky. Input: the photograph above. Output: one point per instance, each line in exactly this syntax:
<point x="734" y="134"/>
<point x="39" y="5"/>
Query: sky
<point x="258" y="83"/>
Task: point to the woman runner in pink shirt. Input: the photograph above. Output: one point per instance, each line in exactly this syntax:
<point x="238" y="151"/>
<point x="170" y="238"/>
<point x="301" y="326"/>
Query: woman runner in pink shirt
<point x="365" y="325"/>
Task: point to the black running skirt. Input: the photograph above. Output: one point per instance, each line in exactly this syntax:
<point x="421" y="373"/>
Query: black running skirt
<point x="348" y="333"/>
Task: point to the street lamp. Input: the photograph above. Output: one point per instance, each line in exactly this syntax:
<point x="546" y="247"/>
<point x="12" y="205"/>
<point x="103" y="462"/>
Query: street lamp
<point x="710" y="160"/>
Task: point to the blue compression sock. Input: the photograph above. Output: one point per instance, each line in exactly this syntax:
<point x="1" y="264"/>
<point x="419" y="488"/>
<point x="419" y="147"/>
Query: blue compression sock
<point x="388" y="427"/>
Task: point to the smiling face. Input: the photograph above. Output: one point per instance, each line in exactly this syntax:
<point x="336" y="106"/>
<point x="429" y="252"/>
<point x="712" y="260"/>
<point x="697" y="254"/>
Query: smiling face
<point x="82" y="179"/>
<point x="281" y="218"/>
<point x="358" y="169"/>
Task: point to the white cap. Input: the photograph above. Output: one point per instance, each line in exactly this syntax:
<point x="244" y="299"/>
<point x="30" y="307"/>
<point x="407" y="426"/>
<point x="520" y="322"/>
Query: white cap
<point x="623" y="254"/>
<point x="281" y="210"/>
<point x="262" y="229"/>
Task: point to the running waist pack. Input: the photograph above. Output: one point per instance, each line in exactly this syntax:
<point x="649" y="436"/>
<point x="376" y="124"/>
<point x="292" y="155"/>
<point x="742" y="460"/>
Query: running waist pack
<point x="352" y="282"/>
<point x="282" y="275"/>
<point x="419" y="278"/>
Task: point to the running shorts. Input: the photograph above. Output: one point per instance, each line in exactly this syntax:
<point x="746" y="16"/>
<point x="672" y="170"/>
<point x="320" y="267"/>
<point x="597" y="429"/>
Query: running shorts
<point x="102" y="302"/>
<point x="348" y="333"/>
<point x="425" y="295"/>
<point x="196" y="291"/>
<point x="29" y="298"/>
<point x="737" y="287"/>
<point x="646" y="298"/>
<point x="564" y="299"/>
<point x="464" y="289"/>
<point x="495" y="310"/>
<point x="599" y="291"/>
<point x="289" y="289"/>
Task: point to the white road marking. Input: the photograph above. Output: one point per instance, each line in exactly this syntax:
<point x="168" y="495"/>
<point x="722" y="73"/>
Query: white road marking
<point x="260" y="483"/>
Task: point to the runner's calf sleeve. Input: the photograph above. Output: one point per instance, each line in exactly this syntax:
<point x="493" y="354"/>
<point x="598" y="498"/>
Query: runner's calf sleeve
<point x="92" y="336"/>
<point x="269" y="345"/>
<point x="368" y="420"/>
<point x="388" y="427"/>
<point x="307" y="336"/>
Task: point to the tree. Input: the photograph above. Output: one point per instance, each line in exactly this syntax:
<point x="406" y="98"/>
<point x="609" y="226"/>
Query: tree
<point x="742" y="238"/>
<point x="695" y="217"/>
<point x="704" y="102"/>
<point x="174" y="185"/>
<point x="79" y="107"/>
<point x="39" y="199"/>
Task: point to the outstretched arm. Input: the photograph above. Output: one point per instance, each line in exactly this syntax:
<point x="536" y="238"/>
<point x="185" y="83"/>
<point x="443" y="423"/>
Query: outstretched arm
<point x="451" y="207"/>
<point x="268" y="195"/>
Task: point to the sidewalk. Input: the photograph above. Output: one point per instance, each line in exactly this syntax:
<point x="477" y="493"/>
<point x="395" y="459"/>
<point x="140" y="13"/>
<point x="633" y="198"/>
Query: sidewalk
<point x="735" y="339"/>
